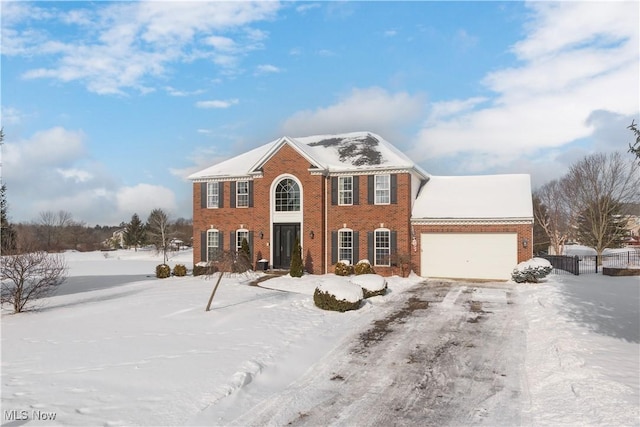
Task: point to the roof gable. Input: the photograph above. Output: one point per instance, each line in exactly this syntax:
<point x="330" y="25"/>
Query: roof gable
<point x="300" y="148"/>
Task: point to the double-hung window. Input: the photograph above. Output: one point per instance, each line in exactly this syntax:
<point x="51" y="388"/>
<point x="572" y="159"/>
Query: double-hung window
<point x="382" y="239"/>
<point x="383" y="189"/>
<point x="242" y="194"/>
<point x="213" y="244"/>
<point x="212" y="194"/>
<point x="240" y="236"/>
<point x="345" y="190"/>
<point x="345" y="245"/>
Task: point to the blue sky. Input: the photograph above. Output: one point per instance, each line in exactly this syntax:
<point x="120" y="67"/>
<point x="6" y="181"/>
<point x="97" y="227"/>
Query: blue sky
<point x="108" y="106"/>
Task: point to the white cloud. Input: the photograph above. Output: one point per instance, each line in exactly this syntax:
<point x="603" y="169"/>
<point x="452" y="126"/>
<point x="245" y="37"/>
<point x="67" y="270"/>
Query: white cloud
<point x="577" y="58"/>
<point x="77" y="175"/>
<point x="267" y="68"/>
<point x="372" y="109"/>
<point x="53" y="170"/>
<point x="217" y="103"/>
<point x="46" y="150"/>
<point x="10" y="115"/>
<point x="305" y="7"/>
<point x="176" y="92"/>
<point x="142" y="198"/>
<point x="131" y="43"/>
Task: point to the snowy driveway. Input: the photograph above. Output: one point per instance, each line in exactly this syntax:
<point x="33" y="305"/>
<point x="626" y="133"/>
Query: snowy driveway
<point x="446" y="354"/>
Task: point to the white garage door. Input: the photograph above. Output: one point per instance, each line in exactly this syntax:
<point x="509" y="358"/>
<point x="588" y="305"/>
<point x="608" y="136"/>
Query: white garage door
<point x="469" y="255"/>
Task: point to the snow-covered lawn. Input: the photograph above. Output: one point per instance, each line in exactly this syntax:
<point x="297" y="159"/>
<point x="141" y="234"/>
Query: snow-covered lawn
<point x="147" y="353"/>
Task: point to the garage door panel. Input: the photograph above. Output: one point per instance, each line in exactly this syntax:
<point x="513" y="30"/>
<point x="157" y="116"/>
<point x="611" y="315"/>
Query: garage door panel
<point x="469" y="255"/>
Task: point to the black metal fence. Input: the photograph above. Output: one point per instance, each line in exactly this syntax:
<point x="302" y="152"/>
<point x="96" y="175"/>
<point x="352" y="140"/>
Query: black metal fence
<point x="586" y="264"/>
<point x="564" y="264"/>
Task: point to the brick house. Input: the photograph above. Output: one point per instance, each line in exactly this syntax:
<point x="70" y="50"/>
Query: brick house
<point x="354" y="196"/>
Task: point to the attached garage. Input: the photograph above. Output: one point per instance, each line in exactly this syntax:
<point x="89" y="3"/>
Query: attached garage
<point x="472" y="227"/>
<point x="468" y="255"/>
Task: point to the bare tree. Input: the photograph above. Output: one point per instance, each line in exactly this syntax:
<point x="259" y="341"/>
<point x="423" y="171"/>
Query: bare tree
<point x="596" y="186"/>
<point x="28" y="276"/>
<point x="554" y="213"/>
<point x="225" y="263"/>
<point x="159" y="232"/>
<point x="52" y="227"/>
<point x="635" y="147"/>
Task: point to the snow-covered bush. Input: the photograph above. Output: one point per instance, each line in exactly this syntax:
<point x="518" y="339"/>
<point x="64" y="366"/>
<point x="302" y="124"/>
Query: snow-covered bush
<point x="531" y="271"/>
<point x="163" y="271"/>
<point x="338" y="296"/>
<point x="180" y="270"/>
<point x="203" y="268"/>
<point x="344" y="268"/>
<point x="363" y="267"/>
<point x="371" y="284"/>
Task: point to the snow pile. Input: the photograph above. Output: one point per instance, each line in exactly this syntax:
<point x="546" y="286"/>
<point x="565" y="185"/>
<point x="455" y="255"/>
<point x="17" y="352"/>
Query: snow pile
<point x="341" y="290"/>
<point x="370" y="282"/>
<point x="531" y="271"/>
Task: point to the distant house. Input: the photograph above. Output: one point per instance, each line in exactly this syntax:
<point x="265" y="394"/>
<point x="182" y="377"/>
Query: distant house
<point x="116" y="240"/>
<point x="355" y="196"/>
<point x="632" y="223"/>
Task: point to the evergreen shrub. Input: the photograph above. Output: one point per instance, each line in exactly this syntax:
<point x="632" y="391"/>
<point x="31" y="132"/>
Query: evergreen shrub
<point x="163" y="271"/>
<point x="343" y="269"/>
<point x="531" y="271"/>
<point x="180" y="270"/>
<point x="328" y="301"/>
<point x="202" y="269"/>
<point x="363" y="267"/>
<point x="297" y="268"/>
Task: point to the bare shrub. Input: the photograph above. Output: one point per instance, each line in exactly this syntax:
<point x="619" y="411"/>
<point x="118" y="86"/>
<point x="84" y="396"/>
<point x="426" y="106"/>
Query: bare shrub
<point x="28" y="276"/>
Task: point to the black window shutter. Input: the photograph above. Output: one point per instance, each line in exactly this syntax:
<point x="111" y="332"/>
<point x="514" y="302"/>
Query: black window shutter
<point x="250" y="194"/>
<point x="370" y="248"/>
<point x="250" y="246"/>
<point x="334" y="190"/>
<point x="334" y="247"/>
<point x="220" y="241"/>
<point x="232" y="198"/>
<point x="393" y="243"/>
<point x="221" y="194"/>
<point x="232" y="243"/>
<point x="394" y="188"/>
<point x="371" y="194"/>
<point x="203" y="195"/>
<point x="203" y="246"/>
<point x="356" y="247"/>
<point x="356" y="190"/>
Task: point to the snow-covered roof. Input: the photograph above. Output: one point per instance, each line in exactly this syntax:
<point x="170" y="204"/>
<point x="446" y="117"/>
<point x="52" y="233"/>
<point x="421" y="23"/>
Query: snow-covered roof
<point x="475" y="197"/>
<point x="355" y="151"/>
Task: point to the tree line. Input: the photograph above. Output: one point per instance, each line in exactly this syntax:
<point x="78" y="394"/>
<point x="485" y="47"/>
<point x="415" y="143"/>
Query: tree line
<point x="589" y="205"/>
<point x="58" y="231"/>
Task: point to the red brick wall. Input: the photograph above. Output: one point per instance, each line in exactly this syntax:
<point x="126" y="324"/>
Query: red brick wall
<point x="365" y="217"/>
<point x="525" y="231"/>
<point x="256" y="219"/>
<point x="315" y="190"/>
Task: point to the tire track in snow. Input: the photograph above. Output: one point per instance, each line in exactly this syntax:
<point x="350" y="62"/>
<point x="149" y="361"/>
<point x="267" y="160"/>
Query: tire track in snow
<point x="440" y="356"/>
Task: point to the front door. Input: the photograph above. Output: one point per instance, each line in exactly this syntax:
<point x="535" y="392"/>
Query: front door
<point x="284" y="237"/>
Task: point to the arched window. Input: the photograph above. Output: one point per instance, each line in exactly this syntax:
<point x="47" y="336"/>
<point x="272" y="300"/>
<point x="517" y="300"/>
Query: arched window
<point x="287" y="196"/>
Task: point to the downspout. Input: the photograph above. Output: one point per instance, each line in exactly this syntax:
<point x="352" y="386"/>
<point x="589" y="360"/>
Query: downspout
<point x="326" y="214"/>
